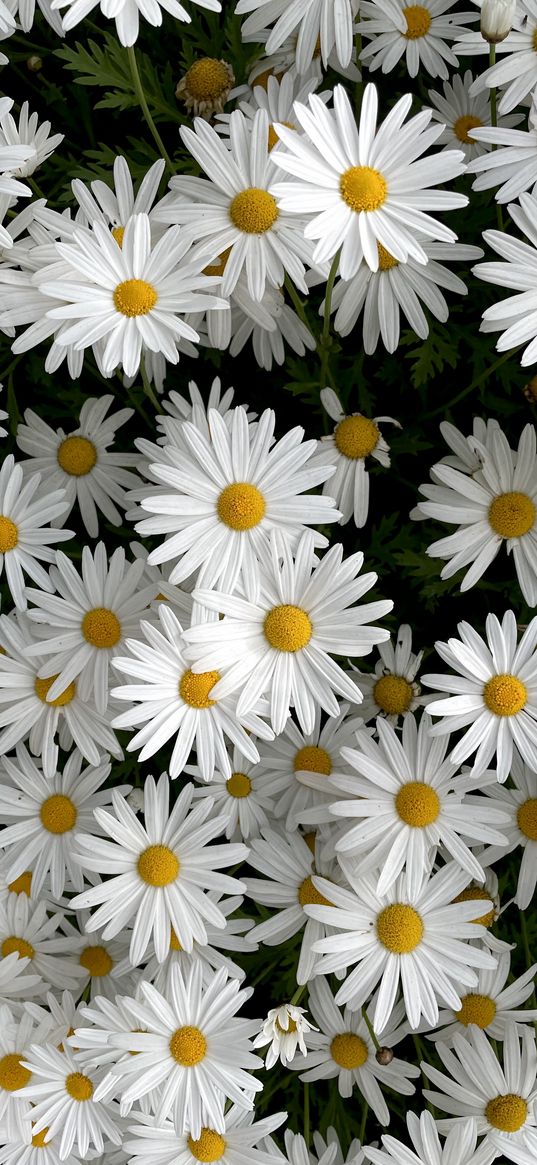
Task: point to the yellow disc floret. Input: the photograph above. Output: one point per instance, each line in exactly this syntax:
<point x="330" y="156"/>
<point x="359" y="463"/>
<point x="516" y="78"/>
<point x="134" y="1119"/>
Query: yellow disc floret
<point x="313" y="759"/>
<point x="356" y="437"/>
<point x="188" y="1046"/>
<point x="58" y="814"/>
<point x="463" y="125"/>
<point x="158" y="865"/>
<point x="209" y="1146"/>
<point x="13" y="943"/>
<point x="308" y="895"/>
<point x="253" y="211"/>
<point x="239" y="785"/>
<point x="101" y="627"/>
<point x="511" y="515"/>
<point x="117" y="234"/>
<point x="207" y="78"/>
<point x="478" y="1009"/>
<point x="417" y="804"/>
<point x="134" y="297"/>
<point x="22" y="884"/>
<point x="96" y="961"/>
<point x="12" y="1073"/>
<point x="386" y="261"/>
<point x="363" y="189"/>
<point x="241" y="506"/>
<point x="77" y="456"/>
<point x="194" y="689"/>
<point x="42" y="689"/>
<point x="39" y="1139"/>
<point x="393" y="695"/>
<point x="507" y="1113"/>
<point x="526" y="818"/>
<point x="79" y="1086"/>
<point x="9" y="535"/>
<point x="349" y="1050"/>
<point x="418" y="21"/>
<point x="505" y="695"/>
<point x="477" y="894"/>
<point x="399" y="928"/>
<point x="287" y="628"/>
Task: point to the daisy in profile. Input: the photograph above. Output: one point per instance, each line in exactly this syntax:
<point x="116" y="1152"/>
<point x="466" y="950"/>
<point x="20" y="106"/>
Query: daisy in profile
<point x="312" y="21"/>
<point x="159" y="871"/>
<point x="160" y="1144"/>
<point x="460" y="114"/>
<point x="277" y="98"/>
<point x="391" y="690"/>
<point x="421" y="33"/>
<point x="355" y="438"/>
<point x="501" y="1101"/>
<point x="493" y="1006"/>
<point x="28" y="132"/>
<point x="460" y="1145"/>
<point x="127" y="14"/>
<point x="493" y="695"/>
<point x="280" y="327"/>
<point x="417" y="941"/>
<point x="360" y="186"/>
<point x="516" y="316"/>
<point x="282" y="645"/>
<point x="63" y="1099"/>
<point x="520" y="803"/>
<point x="516" y="76"/>
<point x="194" y="408"/>
<point x="92" y="475"/>
<point x="284" y="1030"/>
<point x="245" y="799"/>
<point x="113" y="205"/>
<point x="25" y="532"/>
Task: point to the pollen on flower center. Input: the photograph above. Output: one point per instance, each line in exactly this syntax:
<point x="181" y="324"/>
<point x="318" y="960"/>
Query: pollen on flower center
<point x="22" y="884"/>
<point x="134" y="297"/>
<point x="507" y="1113"/>
<point x="188" y="1046"/>
<point x="477" y="894"/>
<point x="194" y="689"/>
<point x="313" y="759"/>
<point x="527" y="818"/>
<point x="393" y="694"/>
<point x="9" y="534"/>
<point x="58" y="814"/>
<point x="96" y="961"/>
<point x="363" y="189"/>
<point x="79" y="1086"/>
<point x="308" y="895"/>
<point x="478" y="1009"/>
<point x="417" y="804"/>
<point x="101" y="627"/>
<point x="349" y="1050"/>
<point x="287" y="628"/>
<point x="39" y="1139"/>
<point x="463" y="125"/>
<point x="253" y="211"/>
<point x="505" y="695"/>
<point x="512" y="514"/>
<point x="12" y="1073"/>
<point x="418" y="21"/>
<point x="356" y="437"/>
<point x="273" y="137"/>
<point x="117" y="234"/>
<point x="209" y="1146"/>
<point x="13" y="943"/>
<point x="207" y="78"/>
<point x="42" y="688"/>
<point x="241" y="506"/>
<point x="77" y="456"/>
<point x="238" y="785"/>
<point x="399" y="928"/>
<point x="386" y="261"/>
<point x="158" y="865"/>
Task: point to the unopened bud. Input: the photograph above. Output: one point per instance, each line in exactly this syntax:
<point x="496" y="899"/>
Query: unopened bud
<point x="34" y="64"/>
<point x="384" y="1056"/>
<point x="497" y="18"/>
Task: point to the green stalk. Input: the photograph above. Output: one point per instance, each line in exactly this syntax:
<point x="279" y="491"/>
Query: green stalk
<point x="139" y="90"/>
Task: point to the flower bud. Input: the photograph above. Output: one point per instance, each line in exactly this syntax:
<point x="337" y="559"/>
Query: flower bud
<point x="497" y="19"/>
<point x="384" y="1056"/>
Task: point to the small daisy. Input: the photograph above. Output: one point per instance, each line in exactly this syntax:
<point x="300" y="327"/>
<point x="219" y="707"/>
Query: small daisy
<point x="29" y="133"/>
<point x="422" y="33"/>
<point x="193" y="408"/>
<point x="494" y="694"/>
<point x="345" y="1050"/>
<point x="211" y="955"/>
<point x="516" y="76"/>
<point x="113" y="206"/>
<point x="355" y="438"/>
<point x="284" y="1030"/>
<point x="461" y="114"/>
<point x="354" y="1155"/>
<point x="162" y="1145"/>
<point x="244" y="800"/>
<point x="81" y="462"/>
<point x="17" y="1034"/>
<point x="206" y="86"/>
<point x="25" y="533"/>
<point x="281" y="326"/>
<point x="287" y="639"/>
<point x="159" y="872"/>
<point x="321" y="22"/>
<point x="127" y="14"/>
<point x="64" y="1102"/>
<point x="391" y="690"/>
<point x="365" y="186"/>
<point x="520" y="802"/>
<point x="459" y="1148"/>
<point x="501" y="1101"/>
<point x="38" y="1152"/>
<point x="25" y="927"/>
<point x="493" y="1007"/>
<point x="277" y="98"/>
<point x="106" y="965"/>
<point x="416" y="940"/>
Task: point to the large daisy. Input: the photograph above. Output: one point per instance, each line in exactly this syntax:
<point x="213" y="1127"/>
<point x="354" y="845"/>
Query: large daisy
<point x="319" y="25"/>
<point x="460" y="1146"/>
<point x="421" y="33"/>
<point x="161" y="1144"/>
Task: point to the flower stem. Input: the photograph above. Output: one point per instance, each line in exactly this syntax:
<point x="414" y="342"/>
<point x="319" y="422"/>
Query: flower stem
<point x="298" y="995"/>
<point x="307" y="1115"/>
<point x="475" y="384"/>
<point x="324" y="340"/>
<point x="494" y="122"/>
<point x="370" y="1028"/>
<point x="148" y="388"/>
<point x="365" y="1110"/>
<point x="139" y="90"/>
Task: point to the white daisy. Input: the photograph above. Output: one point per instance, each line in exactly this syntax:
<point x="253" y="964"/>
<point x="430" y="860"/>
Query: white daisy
<point x="277" y="98"/>
<point x="18" y="981"/>
<point x="25" y="533"/>
<point x="212" y="954"/>
<point x="26" y="928"/>
<point x="81" y="462"/>
<point x="3" y="417"/>
<point x="494" y="692"/>
<point x="460" y="114"/>
<point x="515" y="316"/>
<point x="364" y="186"/>
<point x="159" y="871"/>
<point x="511" y="166"/>
<point x="353" y="1156"/>
<point x="520" y="802"/>
<point x="64" y="1102"/>
<point x="113" y="206"/>
<point x="284" y="1030"/>
<point x="460" y="1146"/>
<point x="28" y="132"/>
<point x="280" y="327"/>
<point x="493" y="1007"/>
<point x="244" y="800"/>
<point x="206" y="86"/>
<point x="127" y="13"/>
<point x="38" y="1152"/>
<point x="17" y="1033"/>
<point x="106" y="965"/>
<point x="332" y="25"/>
<point x="286" y="640"/>
<point x="392" y="690"/>
<point x="193" y="408"/>
<point x="416" y="940"/>
<point x="170" y="700"/>
<point x="355" y="438"/>
<point x="422" y="33"/>
<point x="161" y="1145"/>
<point x="501" y="1101"/>
<point x="516" y="76"/>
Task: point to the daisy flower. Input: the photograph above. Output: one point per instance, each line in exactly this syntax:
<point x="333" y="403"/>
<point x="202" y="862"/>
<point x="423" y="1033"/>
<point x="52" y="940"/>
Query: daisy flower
<point x="106" y="965"/>
<point x="459" y="1146"/>
<point x="493" y="1007"/>
<point x="244" y="800"/>
<point x="127" y="14"/>
<point x="212" y="954"/>
<point x="520" y="803"/>
<point x="25" y="927"/>
<point x="364" y="186"/>
<point x="460" y="114"/>
<point x="228" y="492"/>
<point x="391" y="690"/>
<point x="192" y="408"/>
<point x="63" y="1099"/>
<point x="17" y="1033"/>
<point x="39" y="822"/>
<point x="234" y="209"/>
<point x="279" y="327"/>
<point x="192" y="1048"/>
<point x="286" y="640"/>
<point x="316" y="22"/>
<point x="3" y="417"/>
<point x="206" y="86"/>
<point x="17" y="979"/>
<point x="113" y="206"/>
<point x="171" y="700"/>
<point x="422" y="33"/>
<point x="493" y="696"/>
<point x="511" y="166"/>
<point x="415" y="940"/>
<point x="284" y="1030"/>
<point x="25" y="533"/>
<point x="277" y="98"/>
<point x="502" y="1102"/>
<point x="159" y="871"/>
<point x="85" y="624"/>
<point x="515" y="317"/>
<point x="162" y="1145"/>
<point x="92" y="475"/>
<point x="28" y="133"/>
<point x="516" y="76"/>
<point x="38" y="1152"/>
<point x="355" y="438"/>
<point x="354" y="1155"/>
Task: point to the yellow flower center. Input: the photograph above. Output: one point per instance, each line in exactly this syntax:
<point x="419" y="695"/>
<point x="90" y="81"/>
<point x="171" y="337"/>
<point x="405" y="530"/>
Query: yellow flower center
<point x="356" y="437"/>
<point x="399" y="928"/>
<point x="534" y="40"/>
<point x="79" y="1086"/>
<point x="476" y="894"/>
<point x="273" y="136"/>
<point x="505" y="695"/>
<point x="386" y="261"/>
<point x="9" y="534"/>
<point x="101" y="627"/>
<point x="12" y="1073"/>
<point x="507" y="1113"/>
<point x="23" y="948"/>
<point x="417" y="804"/>
<point x="188" y="1046"/>
<point x="38" y="1139"/>
<point x="42" y="688"/>
<point x="58" y="813"/>
<point x="77" y="456"/>
<point x="478" y="1009"/>
<point x="96" y="961"/>
<point x="511" y="515"/>
<point x="241" y="506"/>
<point x="363" y="189"/>
<point x="287" y="628"/>
<point x="134" y="297"/>
<point x="117" y="234"/>
<point x="418" y="21"/>
<point x="22" y="884"/>
<point x="309" y="838"/>
<point x="207" y="79"/>
<point x="238" y="785"/>
<point x="175" y="945"/>
<point x="210" y="1146"/>
<point x="393" y="695"/>
<point x="285" y="1031"/>
<point x="463" y="125"/>
<point x="253" y="211"/>
<point x="194" y="689"/>
<point x="349" y="1050"/>
<point x="219" y="266"/>
<point x="527" y="818"/>
<point x="158" y="865"/>
<point x="308" y="895"/>
<point x="313" y="759"/>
